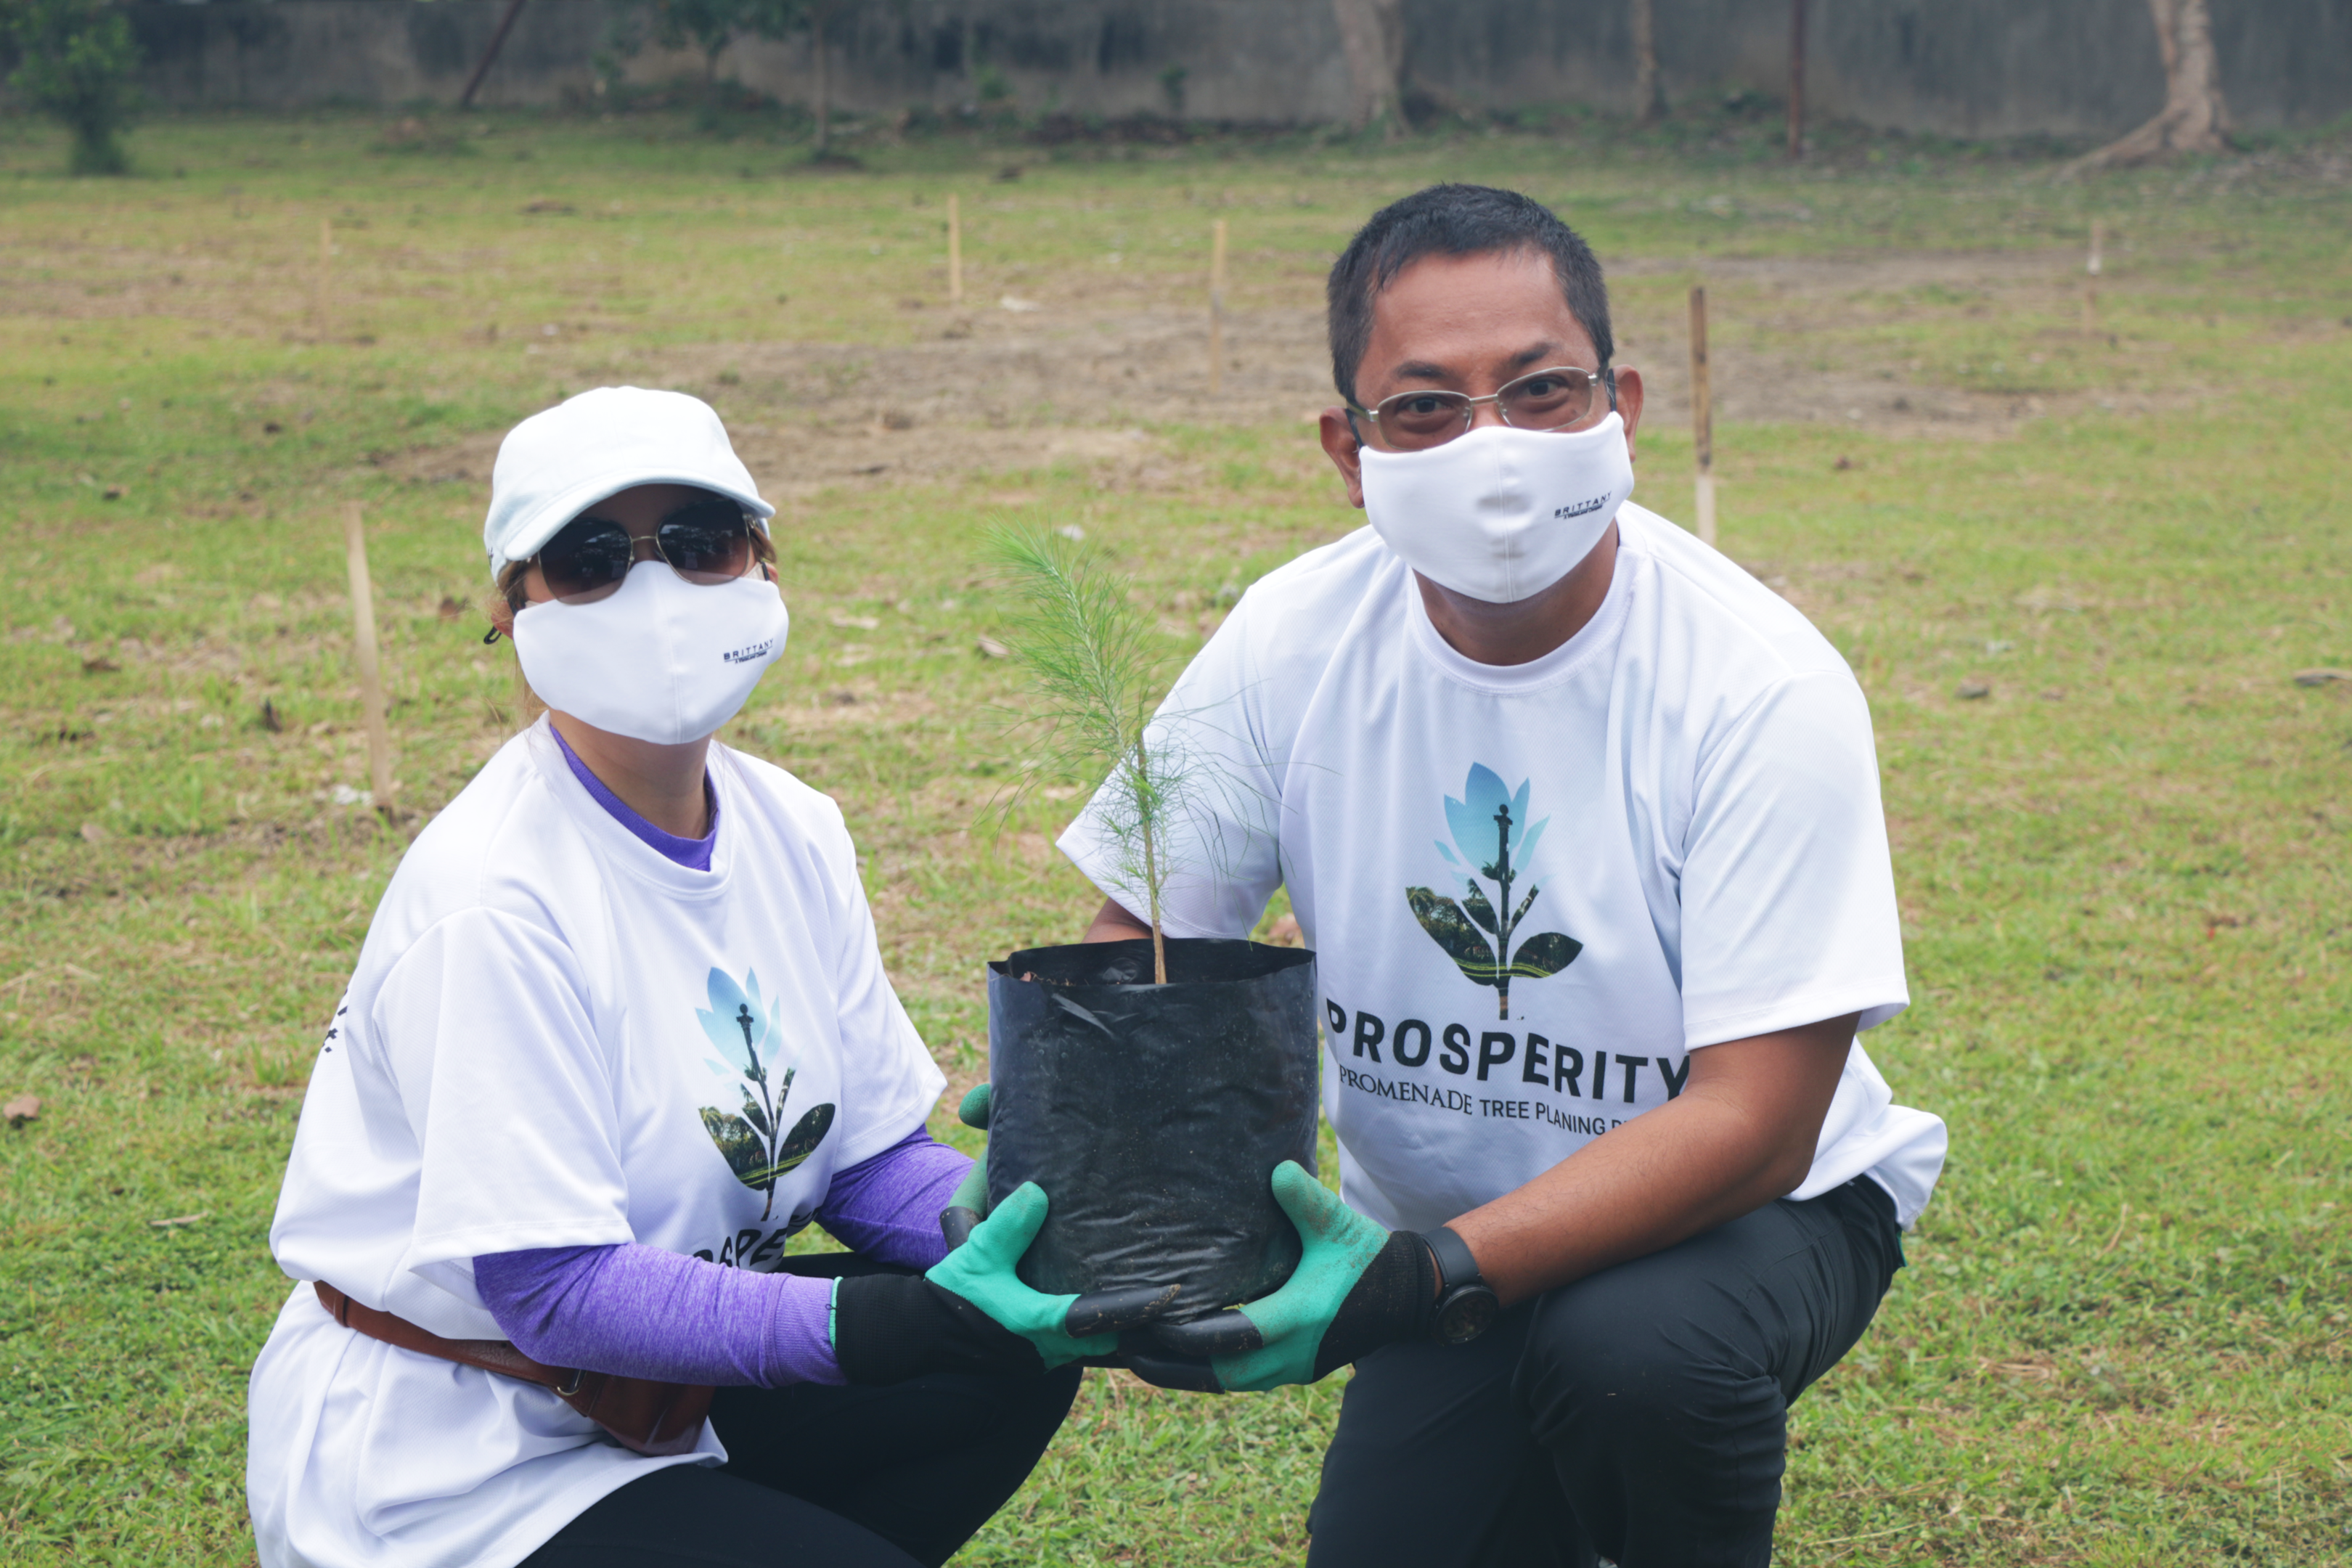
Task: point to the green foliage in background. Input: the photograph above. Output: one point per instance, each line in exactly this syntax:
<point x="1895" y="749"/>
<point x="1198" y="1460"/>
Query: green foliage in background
<point x="75" y="61"/>
<point x="2123" y="1337"/>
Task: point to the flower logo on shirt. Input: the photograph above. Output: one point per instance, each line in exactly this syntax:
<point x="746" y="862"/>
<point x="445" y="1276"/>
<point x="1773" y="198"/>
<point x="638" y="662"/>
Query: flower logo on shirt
<point x="754" y="1144"/>
<point x="1489" y="826"/>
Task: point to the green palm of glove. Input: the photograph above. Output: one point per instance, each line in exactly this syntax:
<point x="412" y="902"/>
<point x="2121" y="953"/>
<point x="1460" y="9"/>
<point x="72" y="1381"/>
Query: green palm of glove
<point x="968" y="1206"/>
<point x="981" y="1272"/>
<point x="1338" y="1245"/>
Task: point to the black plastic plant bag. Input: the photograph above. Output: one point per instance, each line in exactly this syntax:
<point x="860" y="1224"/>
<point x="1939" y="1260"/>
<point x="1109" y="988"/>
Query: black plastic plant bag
<point x="1153" y="1116"/>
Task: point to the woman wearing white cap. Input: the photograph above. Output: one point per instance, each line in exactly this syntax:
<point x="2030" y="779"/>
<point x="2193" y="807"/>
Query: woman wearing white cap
<point x="618" y="1030"/>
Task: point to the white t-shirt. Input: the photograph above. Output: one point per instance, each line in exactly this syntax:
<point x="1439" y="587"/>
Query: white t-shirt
<point x="1696" y="854"/>
<point x="555" y="1037"/>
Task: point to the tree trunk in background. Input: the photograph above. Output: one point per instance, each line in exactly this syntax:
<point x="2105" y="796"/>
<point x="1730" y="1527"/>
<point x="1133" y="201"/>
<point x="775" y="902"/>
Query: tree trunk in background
<point x="497" y="42"/>
<point x="823" y="85"/>
<point x="2194" y="119"/>
<point x="1796" y="79"/>
<point x="1649" y="98"/>
<point x="1371" y="38"/>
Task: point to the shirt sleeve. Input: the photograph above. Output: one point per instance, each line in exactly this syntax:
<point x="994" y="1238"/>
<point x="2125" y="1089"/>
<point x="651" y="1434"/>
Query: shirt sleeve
<point x="485" y="1031"/>
<point x="1221" y="846"/>
<point x="1788" y="891"/>
<point x="887" y="1207"/>
<point x="639" y="1311"/>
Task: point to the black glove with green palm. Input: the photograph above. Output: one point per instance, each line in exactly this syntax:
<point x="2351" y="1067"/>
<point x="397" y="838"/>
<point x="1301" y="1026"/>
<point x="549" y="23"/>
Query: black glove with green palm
<point x="969" y="1204"/>
<point x="972" y="1313"/>
<point x="1358" y="1286"/>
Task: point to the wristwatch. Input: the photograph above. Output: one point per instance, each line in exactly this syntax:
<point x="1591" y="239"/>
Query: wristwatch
<point x="1466" y="1304"/>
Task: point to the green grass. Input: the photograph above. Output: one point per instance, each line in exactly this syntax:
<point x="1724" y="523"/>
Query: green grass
<point x="2123" y="1336"/>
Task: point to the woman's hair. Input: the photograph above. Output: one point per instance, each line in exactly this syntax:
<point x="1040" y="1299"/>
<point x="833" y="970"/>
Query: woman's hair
<point x="512" y="592"/>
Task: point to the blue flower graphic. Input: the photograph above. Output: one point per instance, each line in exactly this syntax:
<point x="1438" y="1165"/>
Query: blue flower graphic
<point x="1471" y="820"/>
<point x="754" y="1144"/>
<point x="1490" y="829"/>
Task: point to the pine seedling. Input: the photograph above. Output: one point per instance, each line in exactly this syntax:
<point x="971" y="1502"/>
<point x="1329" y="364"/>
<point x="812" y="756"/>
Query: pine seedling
<point x="1086" y="650"/>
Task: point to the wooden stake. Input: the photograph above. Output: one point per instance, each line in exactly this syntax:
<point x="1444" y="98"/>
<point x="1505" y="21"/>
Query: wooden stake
<point x="1217" y="308"/>
<point x="1702" y="415"/>
<point x="955" y="253"/>
<point x="2091" y="287"/>
<point x="363" y="647"/>
<point x="326" y="261"/>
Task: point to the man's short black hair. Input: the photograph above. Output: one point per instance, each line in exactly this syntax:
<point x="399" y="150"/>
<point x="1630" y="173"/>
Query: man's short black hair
<point x="1455" y="220"/>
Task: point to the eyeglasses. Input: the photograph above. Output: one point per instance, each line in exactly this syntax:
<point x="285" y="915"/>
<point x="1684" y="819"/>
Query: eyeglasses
<point x="1557" y="398"/>
<point x="706" y="542"/>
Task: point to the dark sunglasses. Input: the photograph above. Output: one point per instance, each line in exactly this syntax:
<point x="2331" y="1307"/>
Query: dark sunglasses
<point x="706" y="542"/>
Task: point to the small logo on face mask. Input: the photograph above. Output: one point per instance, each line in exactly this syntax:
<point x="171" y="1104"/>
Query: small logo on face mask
<point x="745" y="654"/>
<point x="1561" y="514"/>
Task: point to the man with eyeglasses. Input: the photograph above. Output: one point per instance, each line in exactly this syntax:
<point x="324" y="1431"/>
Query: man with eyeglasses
<point x="1583" y="823"/>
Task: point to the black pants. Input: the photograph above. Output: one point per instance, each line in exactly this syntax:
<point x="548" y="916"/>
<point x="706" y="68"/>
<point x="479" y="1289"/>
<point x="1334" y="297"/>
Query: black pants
<point x="830" y="1477"/>
<point x="1640" y="1414"/>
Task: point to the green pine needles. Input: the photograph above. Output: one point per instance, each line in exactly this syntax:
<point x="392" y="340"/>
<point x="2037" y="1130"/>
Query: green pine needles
<point x="1086" y="650"/>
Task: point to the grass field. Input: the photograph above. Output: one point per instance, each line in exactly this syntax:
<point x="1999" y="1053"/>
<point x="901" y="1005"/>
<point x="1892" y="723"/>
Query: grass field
<point x="2123" y="1337"/>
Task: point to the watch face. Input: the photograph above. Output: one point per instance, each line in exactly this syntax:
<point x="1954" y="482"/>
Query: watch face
<point x="1465" y="1314"/>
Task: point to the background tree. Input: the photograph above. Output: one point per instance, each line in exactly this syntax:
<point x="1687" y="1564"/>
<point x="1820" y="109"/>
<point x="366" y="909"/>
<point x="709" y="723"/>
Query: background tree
<point x="711" y="24"/>
<point x="1371" y="38"/>
<point x="1649" y="97"/>
<point x="817" y="15"/>
<point x="2193" y="119"/>
<point x="74" y="63"/>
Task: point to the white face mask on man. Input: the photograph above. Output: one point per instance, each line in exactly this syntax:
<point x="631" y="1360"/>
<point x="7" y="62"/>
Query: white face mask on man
<point x="660" y="658"/>
<point x="1499" y="513"/>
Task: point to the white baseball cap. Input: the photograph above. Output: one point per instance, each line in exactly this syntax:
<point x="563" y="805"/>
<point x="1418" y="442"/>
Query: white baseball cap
<point x="557" y="463"/>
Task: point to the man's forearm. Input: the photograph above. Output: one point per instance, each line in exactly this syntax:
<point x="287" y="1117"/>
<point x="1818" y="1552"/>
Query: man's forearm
<point x="1113" y="923"/>
<point x="1741" y="1135"/>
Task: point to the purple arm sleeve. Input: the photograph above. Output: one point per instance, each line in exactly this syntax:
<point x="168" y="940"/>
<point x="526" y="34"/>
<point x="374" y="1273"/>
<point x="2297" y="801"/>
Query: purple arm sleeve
<point x="644" y="1312"/>
<point x="887" y="1207"/>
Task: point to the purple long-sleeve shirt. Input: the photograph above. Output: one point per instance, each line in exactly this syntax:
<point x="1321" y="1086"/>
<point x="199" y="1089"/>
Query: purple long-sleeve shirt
<point x="641" y="1312"/>
<point x="644" y="1312"/>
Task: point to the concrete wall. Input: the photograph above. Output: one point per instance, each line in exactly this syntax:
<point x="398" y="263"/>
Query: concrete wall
<point x="1973" y="68"/>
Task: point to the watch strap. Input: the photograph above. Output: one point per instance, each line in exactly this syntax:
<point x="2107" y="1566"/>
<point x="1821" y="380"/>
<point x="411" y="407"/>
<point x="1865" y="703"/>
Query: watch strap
<point x="1455" y="1265"/>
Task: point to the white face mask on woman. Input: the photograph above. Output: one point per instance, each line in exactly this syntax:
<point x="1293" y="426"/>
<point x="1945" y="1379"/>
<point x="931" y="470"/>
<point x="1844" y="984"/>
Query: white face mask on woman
<point x="660" y="659"/>
<point x="1499" y="513"/>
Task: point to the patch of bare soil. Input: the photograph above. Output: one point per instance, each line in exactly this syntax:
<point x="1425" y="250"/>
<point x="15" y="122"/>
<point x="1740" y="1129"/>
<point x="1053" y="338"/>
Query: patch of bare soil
<point x="1080" y="379"/>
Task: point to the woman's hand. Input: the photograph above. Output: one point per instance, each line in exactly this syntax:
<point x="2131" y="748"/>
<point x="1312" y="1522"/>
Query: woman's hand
<point x="968" y="1206"/>
<point x="972" y="1313"/>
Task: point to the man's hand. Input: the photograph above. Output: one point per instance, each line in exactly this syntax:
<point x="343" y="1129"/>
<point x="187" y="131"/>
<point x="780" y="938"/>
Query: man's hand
<point x="972" y="1313"/>
<point x="1358" y="1287"/>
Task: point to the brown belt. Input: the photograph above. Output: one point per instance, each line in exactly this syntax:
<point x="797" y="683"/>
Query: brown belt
<point x="649" y="1416"/>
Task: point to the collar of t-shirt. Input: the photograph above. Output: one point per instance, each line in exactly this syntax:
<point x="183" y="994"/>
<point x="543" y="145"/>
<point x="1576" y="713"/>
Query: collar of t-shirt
<point x="692" y="853"/>
<point x="1591" y="639"/>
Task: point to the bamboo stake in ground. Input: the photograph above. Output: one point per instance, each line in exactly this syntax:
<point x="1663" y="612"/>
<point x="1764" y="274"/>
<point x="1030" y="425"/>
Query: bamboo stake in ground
<point x="1217" y="308"/>
<point x="2091" y="288"/>
<point x="379" y="735"/>
<point x="955" y="253"/>
<point x="1702" y="415"/>
<point x="326" y="262"/>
